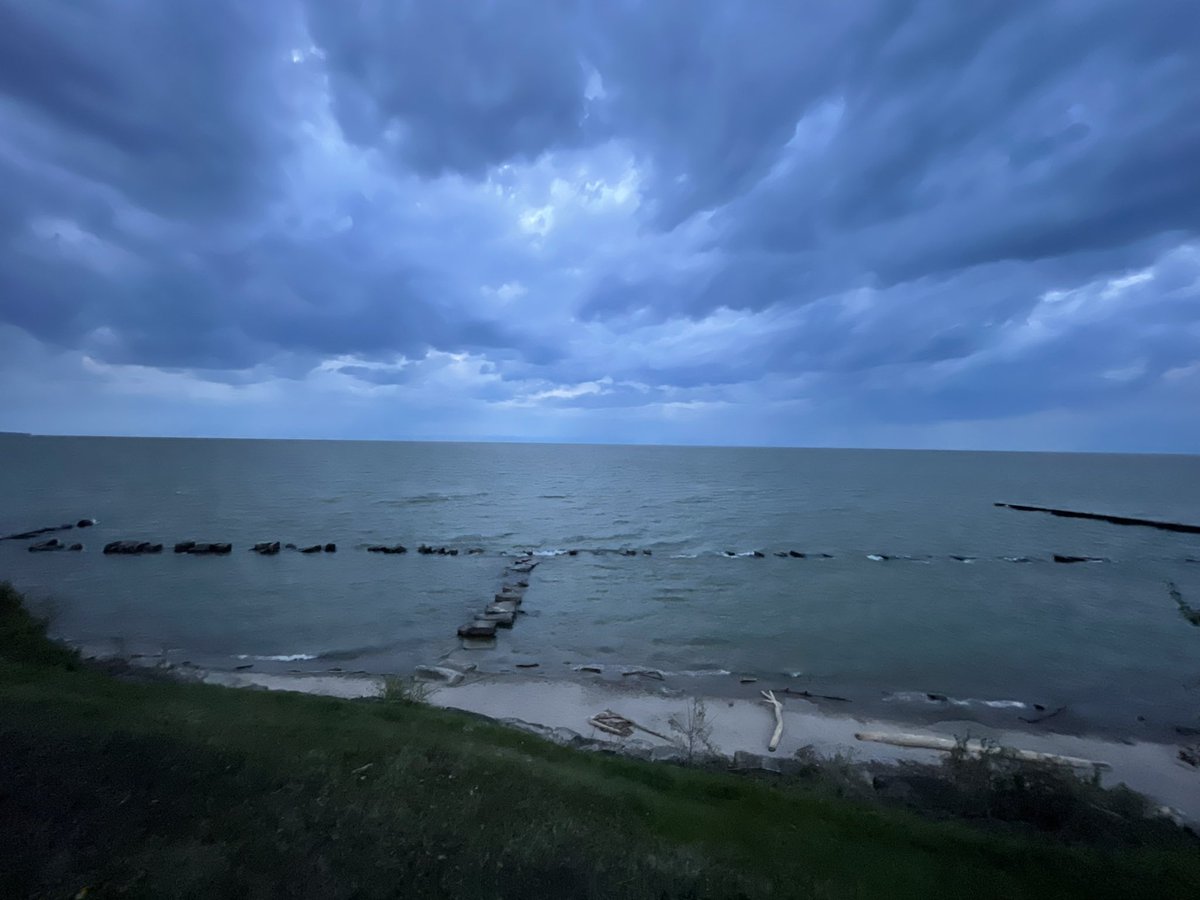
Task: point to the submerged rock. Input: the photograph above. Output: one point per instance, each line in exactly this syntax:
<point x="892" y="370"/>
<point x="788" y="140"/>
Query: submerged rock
<point x="266" y="548"/>
<point x="76" y="547"/>
<point x="315" y="548"/>
<point x="383" y="548"/>
<point x="85" y="523"/>
<point x="795" y="554"/>
<point x="184" y="546"/>
<point x="44" y="546"/>
<point x="1064" y="558"/>
<point x="26" y="535"/>
<point x="216" y="548"/>
<point x="131" y="548"/>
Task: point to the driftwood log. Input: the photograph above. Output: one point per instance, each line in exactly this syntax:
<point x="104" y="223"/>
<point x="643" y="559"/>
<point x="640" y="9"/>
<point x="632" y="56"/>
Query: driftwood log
<point x="615" y="723"/>
<point x="769" y="697"/>
<point x="933" y="742"/>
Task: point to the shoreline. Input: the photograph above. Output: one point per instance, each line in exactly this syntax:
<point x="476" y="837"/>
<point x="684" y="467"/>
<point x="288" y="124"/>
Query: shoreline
<point x="739" y="726"/>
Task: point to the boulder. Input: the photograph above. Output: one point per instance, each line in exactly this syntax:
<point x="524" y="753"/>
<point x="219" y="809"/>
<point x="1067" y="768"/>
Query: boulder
<point x="266" y="548"/>
<point x="475" y="551"/>
<point x="85" y="523"/>
<point x="452" y="552"/>
<point x="647" y="553"/>
<point x="521" y="569"/>
<point x="76" y="547"/>
<point x="131" y="548"/>
<point x="331" y="548"/>
<point x="758" y="554"/>
<point x="216" y="548"/>
<point x="501" y="618"/>
<point x="425" y="549"/>
<point x="572" y="553"/>
<point x="508" y="597"/>
<point x="1063" y="558"/>
<point x="44" y="546"/>
<point x="795" y="554"/>
<point x="441" y="674"/>
<point x="629" y="553"/>
<point x="479" y="628"/>
<point x="383" y="548"/>
<point x="502" y="606"/>
<point x="185" y="546"/>
<point x="289" y="547"/>
<point x="315" y="548"/>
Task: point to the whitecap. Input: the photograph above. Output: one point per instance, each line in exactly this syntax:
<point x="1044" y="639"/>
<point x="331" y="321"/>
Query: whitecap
<point x="282" y="657"/>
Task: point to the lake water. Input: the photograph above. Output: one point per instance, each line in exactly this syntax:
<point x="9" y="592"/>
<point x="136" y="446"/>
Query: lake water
<point x="1105" y="640"/>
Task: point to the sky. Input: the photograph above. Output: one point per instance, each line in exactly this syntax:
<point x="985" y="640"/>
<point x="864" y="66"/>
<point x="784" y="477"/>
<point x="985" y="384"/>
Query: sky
<point x="869" y="224"/>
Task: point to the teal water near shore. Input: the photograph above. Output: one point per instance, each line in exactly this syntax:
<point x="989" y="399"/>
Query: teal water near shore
<point x="923" y="591"/>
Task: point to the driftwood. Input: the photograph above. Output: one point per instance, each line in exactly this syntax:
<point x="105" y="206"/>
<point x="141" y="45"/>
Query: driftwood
<point x="769" y="697"/>
<point x="615" y="723"/>
<point x="932" y="742"/>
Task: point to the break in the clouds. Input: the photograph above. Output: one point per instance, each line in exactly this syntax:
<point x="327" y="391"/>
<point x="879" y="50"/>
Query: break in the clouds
<point x="876" y="224"/>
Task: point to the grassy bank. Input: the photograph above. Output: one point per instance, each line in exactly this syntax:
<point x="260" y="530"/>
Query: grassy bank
<point x="162" y="789"/>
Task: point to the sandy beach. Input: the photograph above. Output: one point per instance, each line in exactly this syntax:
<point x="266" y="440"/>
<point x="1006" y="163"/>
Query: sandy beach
<point x="1153" y="769"/>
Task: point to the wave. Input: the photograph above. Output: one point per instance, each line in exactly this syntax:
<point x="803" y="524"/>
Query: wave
<point x="920" y="697"/>
<point x="422" y="499"/>
<point x="281" y="657"/>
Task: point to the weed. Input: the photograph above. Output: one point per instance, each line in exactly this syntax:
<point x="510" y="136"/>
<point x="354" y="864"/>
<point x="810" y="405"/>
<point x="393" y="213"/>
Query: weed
<point x="406" y="690"/>
<point x="694" y="730"/>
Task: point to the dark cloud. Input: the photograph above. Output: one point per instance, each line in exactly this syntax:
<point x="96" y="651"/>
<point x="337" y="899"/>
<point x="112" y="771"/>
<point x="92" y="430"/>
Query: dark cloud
<point x="877" y="213"/>
<point x="181" y="105"/>
<point x="451" y="87"/>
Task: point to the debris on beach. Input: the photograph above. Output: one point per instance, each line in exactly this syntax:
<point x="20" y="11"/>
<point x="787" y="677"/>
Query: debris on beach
<point x="769" y="697"/>
<point x="442" y="674"/>
<point x="620" y="726"/>
<point x="646" y="673"/>
<point x="976" y="747"/>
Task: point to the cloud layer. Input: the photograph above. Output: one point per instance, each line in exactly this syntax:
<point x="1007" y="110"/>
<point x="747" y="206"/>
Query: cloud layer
<point x="877" y="224"/>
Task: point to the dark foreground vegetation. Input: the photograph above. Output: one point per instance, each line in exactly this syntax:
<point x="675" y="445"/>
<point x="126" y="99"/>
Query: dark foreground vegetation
<point x="122" y="787"/>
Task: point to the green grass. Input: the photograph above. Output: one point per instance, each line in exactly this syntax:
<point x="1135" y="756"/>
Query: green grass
<point x="157" y="789"/>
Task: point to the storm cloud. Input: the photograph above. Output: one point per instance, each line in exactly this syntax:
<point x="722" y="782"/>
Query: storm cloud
<point x="878" y="223"/>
